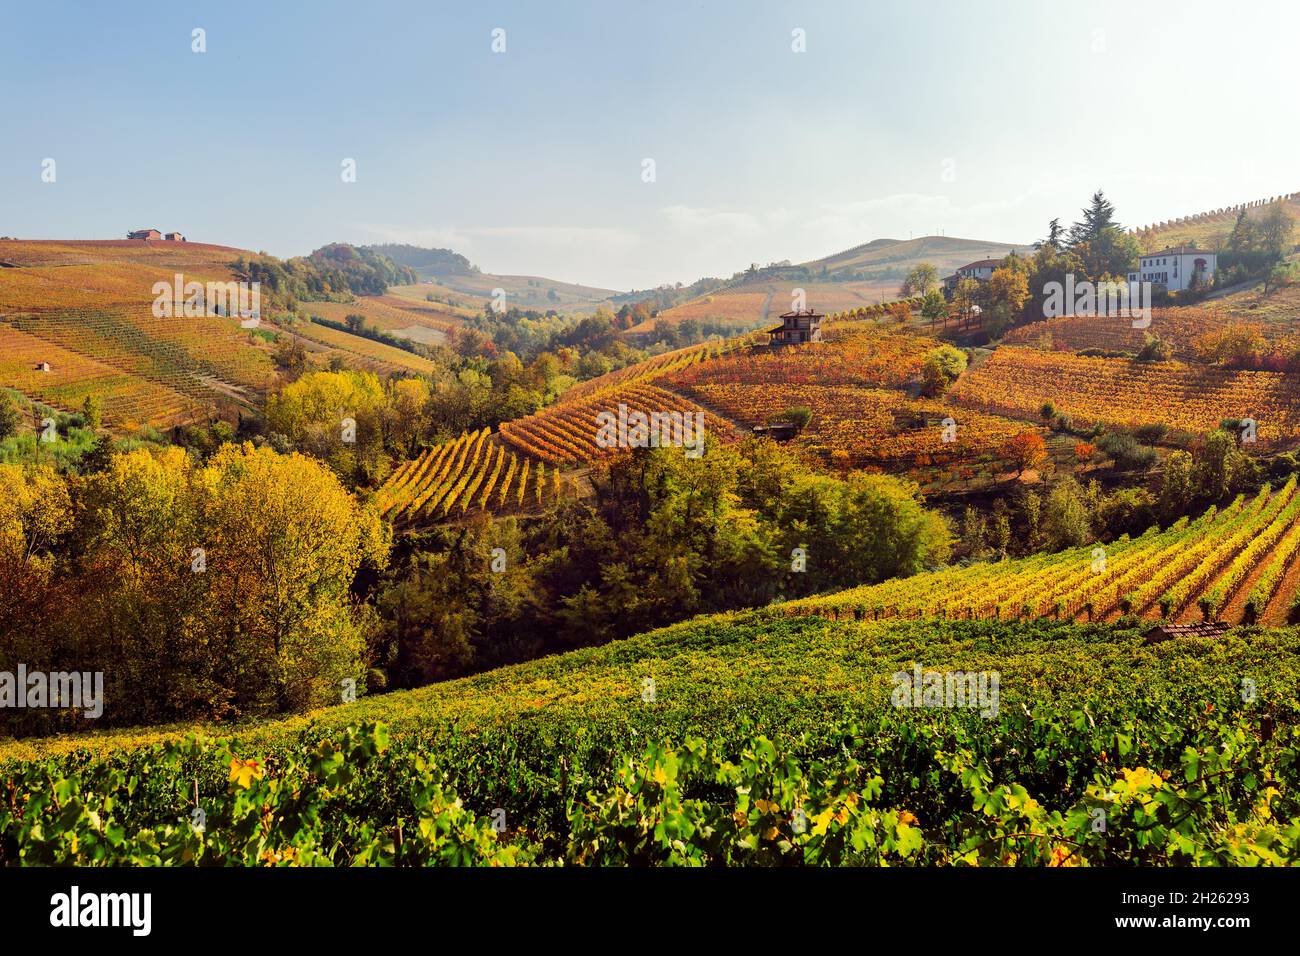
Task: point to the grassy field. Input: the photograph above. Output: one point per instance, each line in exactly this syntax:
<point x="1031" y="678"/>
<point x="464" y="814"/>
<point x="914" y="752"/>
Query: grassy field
<point x="528" y="292"/>
<point x="891" y="259"/>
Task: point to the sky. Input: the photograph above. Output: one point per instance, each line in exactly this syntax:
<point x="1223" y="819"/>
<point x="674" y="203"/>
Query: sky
<point x="980" y="120"/>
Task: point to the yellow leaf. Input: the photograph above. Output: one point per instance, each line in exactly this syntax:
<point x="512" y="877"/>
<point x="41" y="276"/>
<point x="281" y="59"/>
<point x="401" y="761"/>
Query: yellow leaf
<point x="244" y="772"/>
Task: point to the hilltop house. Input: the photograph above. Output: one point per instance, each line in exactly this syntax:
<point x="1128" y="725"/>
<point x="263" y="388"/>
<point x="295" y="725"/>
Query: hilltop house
<point x="802" y="325"/>
<point x="980" y="271"/>
<point x="155" y="235"/>
<point x="1176" y="268"/>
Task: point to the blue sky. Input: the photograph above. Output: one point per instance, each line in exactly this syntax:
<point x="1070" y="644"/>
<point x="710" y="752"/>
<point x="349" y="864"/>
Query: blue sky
<point x="982" y="120"/>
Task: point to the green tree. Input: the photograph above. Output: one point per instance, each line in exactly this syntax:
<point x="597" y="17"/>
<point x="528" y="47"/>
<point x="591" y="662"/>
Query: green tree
<point x="9" y="417"/>
<point x="92" y="411"/>
<point x="1177" y="486"/>
<point x="934" y="307"/>
<point x="1066" y="521"/>
<point x="941" y="368"/>
<point x="921" y="280"/>
<point x="1098" y="216"/>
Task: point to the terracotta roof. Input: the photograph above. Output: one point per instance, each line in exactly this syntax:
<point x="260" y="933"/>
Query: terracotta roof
<point x="982" y="264"/>
<point x="803" y="314"/>
<point x="1167" y="632"/>
<point x="1179" y="251"/>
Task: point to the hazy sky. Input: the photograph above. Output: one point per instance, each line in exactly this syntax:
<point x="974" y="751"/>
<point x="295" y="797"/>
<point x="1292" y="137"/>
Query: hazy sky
<point x="982" y="120"/>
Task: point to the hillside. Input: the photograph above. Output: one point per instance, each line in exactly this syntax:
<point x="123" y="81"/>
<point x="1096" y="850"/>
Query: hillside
<point x="453" y="279"/>
<point x="885" y="260"/>
<point x="534" y="293"/>
<point x="862" y="276"/>
<point x="1207" y="230"/>
<point x="785" y="672"/>
<point x="85" y="307"/>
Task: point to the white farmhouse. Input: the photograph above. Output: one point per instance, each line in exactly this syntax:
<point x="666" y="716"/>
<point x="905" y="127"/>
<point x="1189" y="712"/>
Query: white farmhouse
<point x="980" y="271"/>
<point x="1176" y="268"/>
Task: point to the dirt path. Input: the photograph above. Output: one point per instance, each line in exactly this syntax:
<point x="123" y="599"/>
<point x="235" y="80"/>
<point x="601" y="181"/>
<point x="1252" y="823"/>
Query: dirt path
<point x="1235" y="606"/>
<point x="1276" y="613"/>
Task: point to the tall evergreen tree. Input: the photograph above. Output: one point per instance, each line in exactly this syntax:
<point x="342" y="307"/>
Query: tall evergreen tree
<point x="1097" y="217"/>
<point x="1055" y="232"/>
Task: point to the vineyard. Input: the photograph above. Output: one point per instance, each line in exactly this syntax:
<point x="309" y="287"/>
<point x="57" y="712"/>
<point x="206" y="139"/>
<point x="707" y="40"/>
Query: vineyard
<point x="204" y="358"/>
<point x="566" y="433"/>
<point x="756" y="716"/>
<point x="851" y="356"/>
<point x="388" y="355"/>
<point x="128" y="400"/>
<point x="1016" y="382"/>
<point x="655" y="368"/>
<point x="473" y="472"/>
<point x="386" y="313"/>
<point x="1239" y="563"/>
<point x="91" y="305"/>
<point x="750" y="303"/>
<point x="867" y="426"/>
<point x="1179" y="326"/>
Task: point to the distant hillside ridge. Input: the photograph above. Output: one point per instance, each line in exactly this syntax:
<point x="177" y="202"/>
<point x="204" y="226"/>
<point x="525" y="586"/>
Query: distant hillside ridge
<point x="425" y="261"/>
<point x="891" y="259"/>
<point x="1198" y="227"/>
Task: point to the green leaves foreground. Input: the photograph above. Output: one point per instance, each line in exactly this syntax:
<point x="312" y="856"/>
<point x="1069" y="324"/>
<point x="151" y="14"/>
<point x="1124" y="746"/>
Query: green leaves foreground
<point x="895" y="790"/>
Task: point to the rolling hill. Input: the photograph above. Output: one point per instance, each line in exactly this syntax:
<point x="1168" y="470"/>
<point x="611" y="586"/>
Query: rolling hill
<point x="451" y="276"/>
<point x="864" y="275"/>
<point x="1207" y="230"/>
<point x="84" y="308"/>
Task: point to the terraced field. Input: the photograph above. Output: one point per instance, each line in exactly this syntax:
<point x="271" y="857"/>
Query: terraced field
<point x="853" y="354"/>
<point x="654" y="368"/>
<point x="1238" y="563"/>
<point x="567" y="433"/>
<point x="753" y="303"/>
<point x="1180" y="327"/>
<point x="128" y="400"/>
<point x="1015" y="382"/>
<point x="208" y="359"/>
<point x="869" y="426"/>
<point x="91" y="304"/>
<point x="473" y="472"/>
<point x="368" y="348"/>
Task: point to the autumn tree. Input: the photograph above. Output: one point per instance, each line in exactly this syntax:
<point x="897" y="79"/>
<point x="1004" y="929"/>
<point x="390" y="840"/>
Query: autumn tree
<point x="900" y="312"/>
<point x="285" y="541"/>
<point x="965" y="294"/>
<point x="1025" y="451"/>
<point x="1237" y="345"/>
<point x="35" y="512"/>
